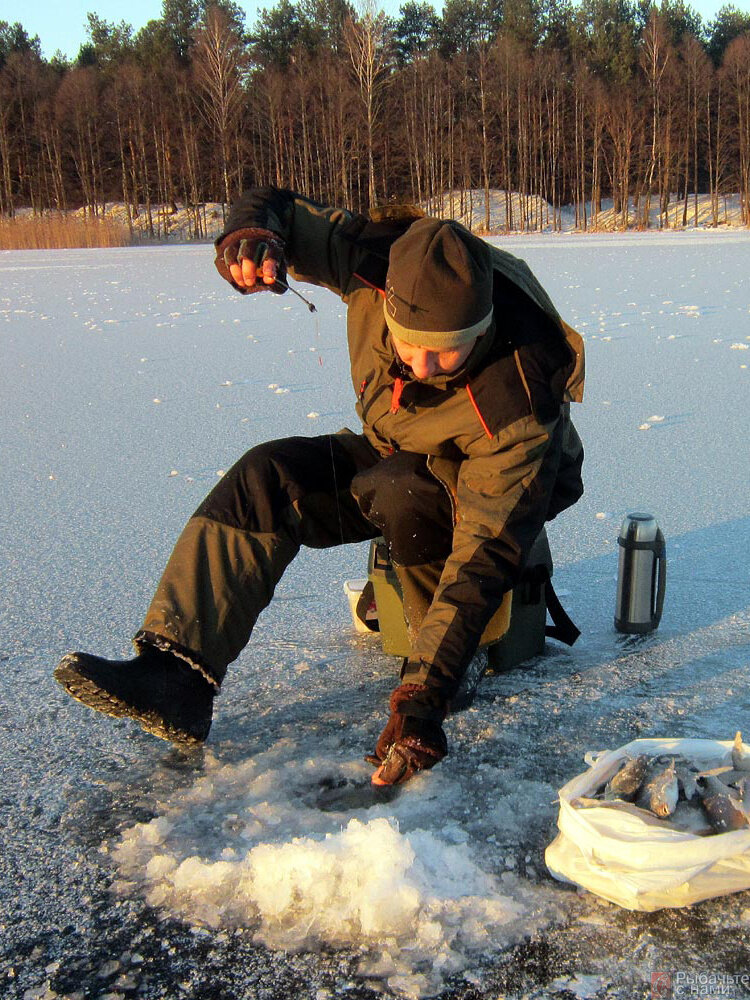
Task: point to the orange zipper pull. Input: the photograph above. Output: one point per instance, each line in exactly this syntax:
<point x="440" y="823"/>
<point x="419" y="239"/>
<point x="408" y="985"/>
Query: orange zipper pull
<point x="398" y="388"/>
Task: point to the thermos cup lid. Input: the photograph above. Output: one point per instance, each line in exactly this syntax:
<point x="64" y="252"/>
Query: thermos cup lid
<point x="639" y="528"/>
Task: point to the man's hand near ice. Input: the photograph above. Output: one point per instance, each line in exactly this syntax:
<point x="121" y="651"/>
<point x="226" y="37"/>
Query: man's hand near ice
<point x="413" y="738"/>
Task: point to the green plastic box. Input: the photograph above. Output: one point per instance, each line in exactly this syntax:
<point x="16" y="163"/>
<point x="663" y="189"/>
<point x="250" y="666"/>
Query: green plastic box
<point x="516" y="632"/>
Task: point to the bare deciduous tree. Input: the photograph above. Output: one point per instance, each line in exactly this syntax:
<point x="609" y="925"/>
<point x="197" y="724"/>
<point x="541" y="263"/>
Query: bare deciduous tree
<point x="736" y="68"/>
<point x="218" y="61"/>
<point x="368" y="42"/>
<point x="655" y="57"/>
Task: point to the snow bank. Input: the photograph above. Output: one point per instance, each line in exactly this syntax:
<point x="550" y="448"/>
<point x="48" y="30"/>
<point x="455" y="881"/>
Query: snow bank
<point x="273" y="844"/>
<point x="510" y="211"/>
<point x="174" y="223"/>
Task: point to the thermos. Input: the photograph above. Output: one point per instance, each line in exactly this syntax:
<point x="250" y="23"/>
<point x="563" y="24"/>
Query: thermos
<point x="641" y="575"/>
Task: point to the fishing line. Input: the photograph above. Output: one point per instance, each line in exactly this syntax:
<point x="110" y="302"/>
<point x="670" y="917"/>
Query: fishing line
<point x="285" y="285"/>
<point x="336" y="489"/>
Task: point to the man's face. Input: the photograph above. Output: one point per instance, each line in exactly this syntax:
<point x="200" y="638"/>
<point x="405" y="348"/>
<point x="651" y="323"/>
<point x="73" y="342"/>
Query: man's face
<point x="425" y="362"/>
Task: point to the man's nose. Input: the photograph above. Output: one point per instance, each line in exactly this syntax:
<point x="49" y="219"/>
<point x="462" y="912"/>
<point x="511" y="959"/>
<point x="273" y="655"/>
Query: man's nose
<point x="423" y="364"/>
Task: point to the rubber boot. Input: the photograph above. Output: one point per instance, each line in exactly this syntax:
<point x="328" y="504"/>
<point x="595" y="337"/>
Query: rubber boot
<point x="157" y="689"/>
<point x="467" y="689"/>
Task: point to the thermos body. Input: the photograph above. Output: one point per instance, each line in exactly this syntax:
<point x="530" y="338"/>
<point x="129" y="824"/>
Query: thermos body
<point x="641" y="576"/>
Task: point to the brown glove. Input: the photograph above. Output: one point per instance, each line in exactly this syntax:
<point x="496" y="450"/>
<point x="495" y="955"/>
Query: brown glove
<point x="256" y="245"/>
<point x="409" y="743"/>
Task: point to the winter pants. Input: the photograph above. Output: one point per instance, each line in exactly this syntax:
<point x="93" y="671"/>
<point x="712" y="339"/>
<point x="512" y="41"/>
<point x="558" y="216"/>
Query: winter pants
<point x="317" y="492"/>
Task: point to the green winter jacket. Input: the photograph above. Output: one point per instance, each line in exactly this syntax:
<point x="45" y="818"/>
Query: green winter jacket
<point x="497" y="433"/>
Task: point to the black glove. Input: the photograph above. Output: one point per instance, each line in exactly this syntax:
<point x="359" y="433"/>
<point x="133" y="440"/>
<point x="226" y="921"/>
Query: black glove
<point x="256" y="245"/>
<point x="410" y="742"/>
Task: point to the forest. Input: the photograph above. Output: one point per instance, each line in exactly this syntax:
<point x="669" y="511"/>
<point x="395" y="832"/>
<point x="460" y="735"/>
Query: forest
<point x="568" y="105"/>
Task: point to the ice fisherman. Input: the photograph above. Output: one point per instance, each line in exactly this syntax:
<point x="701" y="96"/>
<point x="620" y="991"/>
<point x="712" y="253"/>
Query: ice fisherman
<point x="463" y="372"/>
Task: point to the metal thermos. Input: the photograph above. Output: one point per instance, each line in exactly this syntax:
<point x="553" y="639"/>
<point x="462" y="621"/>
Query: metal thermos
<point x="641" y="575"/>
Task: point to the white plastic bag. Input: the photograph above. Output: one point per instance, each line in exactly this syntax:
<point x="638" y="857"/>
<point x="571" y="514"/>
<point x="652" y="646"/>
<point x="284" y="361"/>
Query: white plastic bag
<point x="636" y="864"/>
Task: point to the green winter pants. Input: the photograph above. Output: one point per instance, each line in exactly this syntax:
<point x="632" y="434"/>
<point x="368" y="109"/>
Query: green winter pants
<point x="317" y="492"/>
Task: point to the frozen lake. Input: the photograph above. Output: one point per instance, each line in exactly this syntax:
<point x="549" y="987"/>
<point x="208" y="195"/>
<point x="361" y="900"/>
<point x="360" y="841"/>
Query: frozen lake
<point x="260" y="868"/>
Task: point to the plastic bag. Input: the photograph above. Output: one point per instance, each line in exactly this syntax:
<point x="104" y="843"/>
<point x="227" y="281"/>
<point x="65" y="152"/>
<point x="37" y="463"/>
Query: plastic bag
<point x="635" y="863"/>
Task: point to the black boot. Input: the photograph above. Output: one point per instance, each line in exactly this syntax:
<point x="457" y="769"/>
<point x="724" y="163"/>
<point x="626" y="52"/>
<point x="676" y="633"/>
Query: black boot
<point x="467" y="689"/>
<point x="159" y="690"/>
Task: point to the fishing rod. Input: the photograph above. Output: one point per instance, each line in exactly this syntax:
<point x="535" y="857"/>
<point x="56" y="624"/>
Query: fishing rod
<point x="294" y="291"/>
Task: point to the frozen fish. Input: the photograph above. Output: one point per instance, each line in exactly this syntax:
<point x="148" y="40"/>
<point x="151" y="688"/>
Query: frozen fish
<point x="660" y="791"/>
<point x="740" y="756"/>
<point x="686" y="780"/>
<point x="723" y="809"/>
<point x="627" y="781"/>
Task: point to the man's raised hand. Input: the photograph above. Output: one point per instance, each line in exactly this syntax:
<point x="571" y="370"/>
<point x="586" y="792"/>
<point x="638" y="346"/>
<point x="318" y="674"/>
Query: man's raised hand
<point x="252" y="260"/>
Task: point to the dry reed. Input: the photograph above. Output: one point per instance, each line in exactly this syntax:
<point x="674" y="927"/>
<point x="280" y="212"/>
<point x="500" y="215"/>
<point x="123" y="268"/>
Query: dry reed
<point x="59" y="232"/>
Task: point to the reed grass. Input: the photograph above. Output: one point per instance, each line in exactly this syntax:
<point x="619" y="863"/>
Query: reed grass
<point x="60" y="232"/>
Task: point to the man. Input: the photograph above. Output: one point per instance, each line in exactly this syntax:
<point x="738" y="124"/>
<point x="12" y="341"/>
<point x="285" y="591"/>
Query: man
<point x="463" y="372"/>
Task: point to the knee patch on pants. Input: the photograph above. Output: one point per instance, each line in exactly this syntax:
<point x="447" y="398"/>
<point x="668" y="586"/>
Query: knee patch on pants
<point x="409" y="505"/>
<point x="292" y="481"/>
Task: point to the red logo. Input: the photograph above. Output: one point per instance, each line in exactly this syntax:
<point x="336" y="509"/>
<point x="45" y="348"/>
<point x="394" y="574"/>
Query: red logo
<point x="661" y="986"/>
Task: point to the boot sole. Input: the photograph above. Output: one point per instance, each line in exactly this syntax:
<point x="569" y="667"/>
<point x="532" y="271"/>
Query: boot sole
<point x="88" y="693"/>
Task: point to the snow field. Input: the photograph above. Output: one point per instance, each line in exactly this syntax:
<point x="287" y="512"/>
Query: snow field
<point x="131" y="379"/>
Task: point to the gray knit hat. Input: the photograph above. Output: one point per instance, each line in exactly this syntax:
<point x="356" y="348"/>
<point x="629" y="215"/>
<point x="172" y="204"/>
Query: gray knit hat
<point x="438" y="290"/>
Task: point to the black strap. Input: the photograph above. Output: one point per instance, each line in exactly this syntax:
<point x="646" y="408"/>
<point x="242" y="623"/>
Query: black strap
<point x="563" y="629"/>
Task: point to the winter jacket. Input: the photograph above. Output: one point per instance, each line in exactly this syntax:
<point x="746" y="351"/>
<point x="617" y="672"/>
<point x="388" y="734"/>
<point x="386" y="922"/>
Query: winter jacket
<point x="497" y="433"/>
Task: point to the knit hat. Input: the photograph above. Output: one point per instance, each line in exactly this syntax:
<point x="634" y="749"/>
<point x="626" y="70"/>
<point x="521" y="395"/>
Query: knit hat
<point x="438" y="290"/>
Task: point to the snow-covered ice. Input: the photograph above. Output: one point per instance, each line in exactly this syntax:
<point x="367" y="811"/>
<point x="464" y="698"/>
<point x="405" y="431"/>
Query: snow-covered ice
<point x="307" y="856"/>
<point x="265" y="866"/>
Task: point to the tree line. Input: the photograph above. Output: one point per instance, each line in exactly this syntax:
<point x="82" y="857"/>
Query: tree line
<point x="567" y="105"/>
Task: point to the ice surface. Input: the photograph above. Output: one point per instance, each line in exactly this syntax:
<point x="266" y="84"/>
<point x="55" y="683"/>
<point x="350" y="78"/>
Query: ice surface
<point x="265" y="867"/>
<point x="305" y="853"/>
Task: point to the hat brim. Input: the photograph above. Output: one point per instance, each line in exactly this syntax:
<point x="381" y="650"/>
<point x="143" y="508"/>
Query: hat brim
<point x="437" y="340"/>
